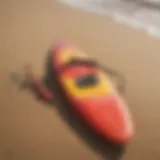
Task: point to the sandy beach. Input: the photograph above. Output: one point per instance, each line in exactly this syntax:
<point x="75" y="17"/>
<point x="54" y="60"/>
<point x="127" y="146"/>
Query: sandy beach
<point x="32" y="130"/>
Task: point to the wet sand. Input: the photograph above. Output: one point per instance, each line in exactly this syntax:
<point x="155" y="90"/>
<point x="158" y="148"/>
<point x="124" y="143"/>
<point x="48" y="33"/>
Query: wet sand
<point x="31" y="130"/>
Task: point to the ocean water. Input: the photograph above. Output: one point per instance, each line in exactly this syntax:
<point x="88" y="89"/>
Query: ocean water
<point x="140" y="14"/>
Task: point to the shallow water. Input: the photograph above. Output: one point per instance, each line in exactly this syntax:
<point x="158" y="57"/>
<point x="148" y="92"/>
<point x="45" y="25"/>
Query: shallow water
<point x="144" y="15"/>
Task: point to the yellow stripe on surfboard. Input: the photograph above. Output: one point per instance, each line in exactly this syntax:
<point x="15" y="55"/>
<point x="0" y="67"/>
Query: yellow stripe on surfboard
<point x="104" y="87"/>
<point x="69" y="53"/>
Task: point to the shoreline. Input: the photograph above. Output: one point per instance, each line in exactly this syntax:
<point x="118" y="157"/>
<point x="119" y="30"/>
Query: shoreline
<point x="124" y="13"/>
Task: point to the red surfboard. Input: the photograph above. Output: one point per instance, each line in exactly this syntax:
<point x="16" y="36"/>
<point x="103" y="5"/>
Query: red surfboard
<point x="91" y="92"/>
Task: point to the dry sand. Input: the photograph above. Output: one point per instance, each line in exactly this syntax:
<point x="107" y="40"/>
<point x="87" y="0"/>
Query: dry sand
<point x="30" y="130"/>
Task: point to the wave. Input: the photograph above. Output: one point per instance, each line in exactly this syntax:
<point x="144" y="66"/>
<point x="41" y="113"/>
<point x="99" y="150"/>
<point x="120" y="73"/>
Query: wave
<point x="140" y="14"/>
